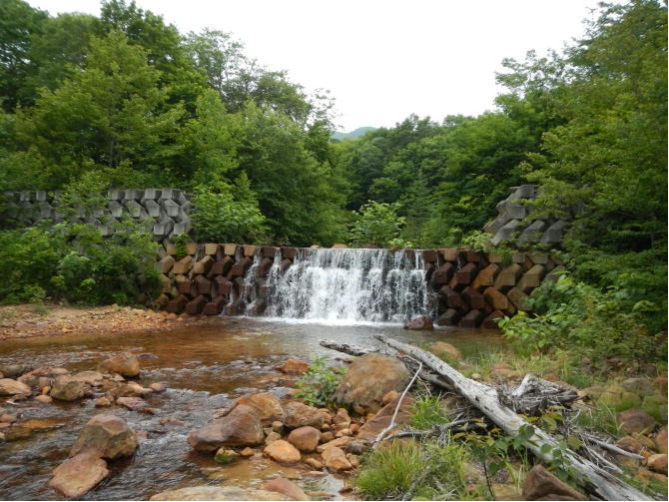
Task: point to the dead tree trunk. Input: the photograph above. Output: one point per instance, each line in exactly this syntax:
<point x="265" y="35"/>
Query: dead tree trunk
<point x="590" y="477"/>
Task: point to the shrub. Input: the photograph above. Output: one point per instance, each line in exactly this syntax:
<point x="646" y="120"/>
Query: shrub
<point x="319" y="384"/>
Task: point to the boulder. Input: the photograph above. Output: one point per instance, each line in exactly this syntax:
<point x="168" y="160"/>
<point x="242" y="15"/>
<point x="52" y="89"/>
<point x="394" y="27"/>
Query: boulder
<point x="282" y="451"/>
<point x="11" y="387"/>
<point x="93" y="378"/>
<point x="67" y="388"/>
<point x="657" y="463"/>
<point x="419" y="323"/>
<point x="305" y="438"/>
<point x="107" y="436"/>
<point x="335" y="459"/>
<point x="635" y="421"/>
<point x="49" y="372"/>
<point x="446" y="348"/>
<point x="79" y="474"/>
<point x="379" y="422"/>
<point x="542" y="485"/>
<point x="661" y="440"/>
<point x="124" y="364"/>
<point x="285" y="487"/>
<point x="267" y="407"/>
<point x="240" y="427"/>
<point x="293" y="367"/>
<point x="368" y="379"/>
<point x="299" y="415"/>
<point x="218" y="493"/>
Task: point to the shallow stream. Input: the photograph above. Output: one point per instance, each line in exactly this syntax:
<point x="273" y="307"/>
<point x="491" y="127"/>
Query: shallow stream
<point x="207" y="365"/>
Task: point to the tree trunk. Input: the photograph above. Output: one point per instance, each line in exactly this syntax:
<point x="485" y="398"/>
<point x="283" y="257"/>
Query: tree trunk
<point x="590" y="477"/>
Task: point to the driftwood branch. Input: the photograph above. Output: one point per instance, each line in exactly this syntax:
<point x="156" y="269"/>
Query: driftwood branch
<point x="590" y="477"/>
<point x="535" y="395"/>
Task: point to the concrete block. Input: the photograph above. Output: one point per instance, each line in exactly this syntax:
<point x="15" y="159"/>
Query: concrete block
<point x="150" y="194"/>
<point x="171" y="208"/>
<point x="554" y="234"/>
<point x="152" y="208"/>
<point x="506" y="233"/>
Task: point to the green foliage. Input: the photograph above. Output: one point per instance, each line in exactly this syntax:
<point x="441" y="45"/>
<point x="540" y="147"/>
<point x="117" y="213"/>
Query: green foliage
<point x="319" y="384"/>
<point x="427" y="412"/>
<point x="574" y="316"/>
<point x="225" y="213"/>
<point x="377" y="225"/>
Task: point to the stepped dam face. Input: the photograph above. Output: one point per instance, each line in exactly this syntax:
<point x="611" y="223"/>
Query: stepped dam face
<point x="454" y="287"/>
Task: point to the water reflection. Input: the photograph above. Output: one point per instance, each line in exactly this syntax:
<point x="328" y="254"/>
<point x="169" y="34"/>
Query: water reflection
<point x="207" y="365"/>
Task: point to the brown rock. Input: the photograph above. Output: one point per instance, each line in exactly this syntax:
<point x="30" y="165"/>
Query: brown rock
<point x="635" y="421"/>
<point x="335" y="459"/>
<point x="293" y="367"/>
<point x="661" y="440"/>
<point x="630" y="444"/>
<point x="44" y="399"/>
<point x="108" y="436"/>
<point x="369" y="378"/>
<point x="446" y="348"/>
<point x="371" y="429"/>
<point x="158" y="387"/>
<point x="286" y="487"/>
<point x="299" y="415"/>
<point x="131" y="402"/>
<point x="542" y="485"/>
<point x="657" y="463"/>
<point x="267" y="407"/>
<point x="419" y="323"/>
<point x="240" y="427"/>
<point x="124" y="364"/>
<point x="314" y="463"/>
<point x="66" y="388"/>
<point x="11" y="387"/>
<point x="93" y="378"/>
<point x="282" y="451"/>
<point x="102" y="402"/>
<point x="305" y="438"/>
<point x="660" y="383"/>
<point x="341" y="419"/>
<point x="79" y="474"/>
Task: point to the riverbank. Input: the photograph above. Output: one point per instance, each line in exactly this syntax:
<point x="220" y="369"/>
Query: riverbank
<point x="27" y="321"/>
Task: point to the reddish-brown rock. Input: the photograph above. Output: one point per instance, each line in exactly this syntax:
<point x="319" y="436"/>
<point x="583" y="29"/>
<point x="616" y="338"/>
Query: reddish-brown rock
<point x="267" y="407"/>
<point x="108" y="436"/>
<point x="240" y="427"/>
<point x="419" y="323"/>
<point x="305" y="438"/>
<point x="661" y="440"/>
<point x="78" y="475"/>
<point x="634" y="421"/>
<point x="657" y="463"/>
<point x="446" y="348"/>
<point x="542" y="485"/>
<point x="298" y="414"/>
<point x="282" y="451"/>
<point x="125" y="364"/>
<point x="335" y="459"/>
<point x="285" y="487"/>
<point x="293" y="367"/>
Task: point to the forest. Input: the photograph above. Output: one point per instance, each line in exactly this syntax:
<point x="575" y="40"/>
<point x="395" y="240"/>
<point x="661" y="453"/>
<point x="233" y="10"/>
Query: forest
<point x="125" y="100"/>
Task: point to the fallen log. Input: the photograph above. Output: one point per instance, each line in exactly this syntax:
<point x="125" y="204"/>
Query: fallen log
<point x="589" y="476"/>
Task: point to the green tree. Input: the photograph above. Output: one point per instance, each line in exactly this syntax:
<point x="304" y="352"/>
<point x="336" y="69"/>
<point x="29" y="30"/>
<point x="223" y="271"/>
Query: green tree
<point x="107" y="117"/>
<point x="377" y="224"/>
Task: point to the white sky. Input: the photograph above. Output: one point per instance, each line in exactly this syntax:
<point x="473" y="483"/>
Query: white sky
<point x="381" y="60"/>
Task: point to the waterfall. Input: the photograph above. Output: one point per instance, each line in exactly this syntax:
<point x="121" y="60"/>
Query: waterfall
<point x="344" y="286"/>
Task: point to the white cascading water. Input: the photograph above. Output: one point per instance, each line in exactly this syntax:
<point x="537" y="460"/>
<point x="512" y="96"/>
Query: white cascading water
<point x="349" y="286"/>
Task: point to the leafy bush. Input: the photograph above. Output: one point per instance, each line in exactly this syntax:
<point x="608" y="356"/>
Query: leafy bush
<point x="577" y="317"/>
<point x="377" y="224"/>
<point x="319" y="384"/>
<point x="223" y="213"/>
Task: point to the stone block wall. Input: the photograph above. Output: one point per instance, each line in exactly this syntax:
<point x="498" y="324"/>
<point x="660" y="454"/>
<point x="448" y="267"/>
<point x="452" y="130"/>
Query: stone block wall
<point x="165" y="211"/>
<point x="471" y="289"/>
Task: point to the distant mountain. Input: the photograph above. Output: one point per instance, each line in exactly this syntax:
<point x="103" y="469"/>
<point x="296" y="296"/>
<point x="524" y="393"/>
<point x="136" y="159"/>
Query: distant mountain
<point x="353" y="134"/>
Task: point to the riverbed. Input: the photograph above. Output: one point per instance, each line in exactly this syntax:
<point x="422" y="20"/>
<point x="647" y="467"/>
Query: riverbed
<point x="206" y="366"/>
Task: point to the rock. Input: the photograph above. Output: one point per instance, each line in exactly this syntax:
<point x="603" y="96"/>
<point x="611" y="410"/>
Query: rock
<point x="11" y="387"/>
<point x="93" y="378"/>
<point x="131" y="402"/>
<point x="341" y="420"/>
<point x="314" y="463"/>
<point x="267" y="407"/>
<point x="335" y="459"/>
<point x="13" y="370"/>
<point x="240" y="427"/>
<point x="282" y="451"/>
<point x="638" y="386"/>
<point x="133" y="389"/>
<point x="285" y="487"/>
<point x="661" y="440"/>
<point x="446" y="348"/>
<point x="124" y="364"/>
<point x="369" y="378"/>
<point x="247" y="452"/>
<point x="49" y="372"/>
<point x="305" y="438"/>
<point x="272" y="436"/>
<point x="542" y="485"/>
<point x="66" y="388"/>
<point x="43" y="399"/>
<point x="298" y="414"/>
<point x="660" y="383"/>
<point x="371" y="429"/>
<point x="102" y="402"/>
<point x="158" y="387"/>
<point x="635" y="421"/>
<point x="225" y="456"/>
<point x="657" y="463"/>
<point x="293" y="367"/>
<point x="79" y="474"/>
<point x="630" y="444"/>
<point x="218" y="493"/>
<point x="106" y="435"/>
<point x="419" y="323"/>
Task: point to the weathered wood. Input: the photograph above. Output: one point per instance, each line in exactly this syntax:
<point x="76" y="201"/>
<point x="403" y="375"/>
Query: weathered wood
<point x="534" y="395"/>
<point x="592" y="478"/>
